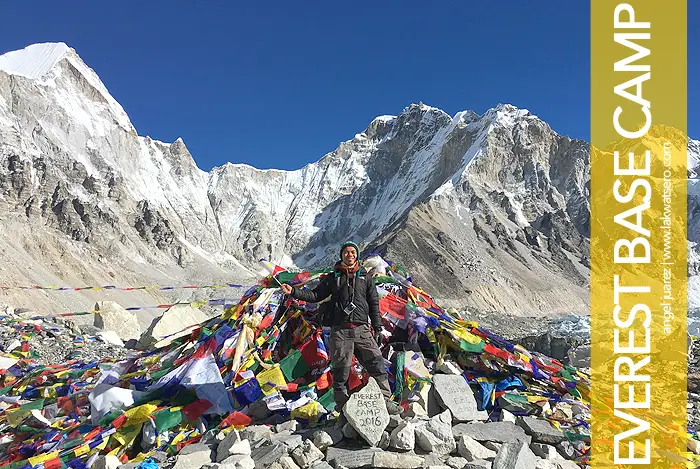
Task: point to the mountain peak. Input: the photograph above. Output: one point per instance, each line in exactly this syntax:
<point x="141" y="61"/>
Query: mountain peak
<point x="34" y="61"/>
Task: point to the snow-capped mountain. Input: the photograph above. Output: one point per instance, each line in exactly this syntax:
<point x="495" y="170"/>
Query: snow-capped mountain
<point x="486" y="210"/>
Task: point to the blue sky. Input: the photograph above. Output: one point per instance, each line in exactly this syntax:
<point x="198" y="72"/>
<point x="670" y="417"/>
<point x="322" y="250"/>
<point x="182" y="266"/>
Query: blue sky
<point x="278" y="85"/>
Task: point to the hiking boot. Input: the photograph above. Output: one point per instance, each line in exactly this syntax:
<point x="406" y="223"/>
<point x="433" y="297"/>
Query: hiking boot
<point x="341" y="421"/>
<point x="392" y="407"/>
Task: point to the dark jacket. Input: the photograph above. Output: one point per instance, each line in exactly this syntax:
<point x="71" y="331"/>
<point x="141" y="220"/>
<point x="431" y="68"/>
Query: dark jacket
<point x="338" y="286"/>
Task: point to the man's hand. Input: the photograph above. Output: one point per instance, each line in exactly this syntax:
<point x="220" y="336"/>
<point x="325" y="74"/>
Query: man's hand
<point x="286" y="289"/>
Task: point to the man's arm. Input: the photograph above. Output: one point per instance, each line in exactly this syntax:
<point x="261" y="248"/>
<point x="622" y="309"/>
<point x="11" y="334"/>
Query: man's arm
<point x="373" y="303"/>
<point x="321" y="292"/>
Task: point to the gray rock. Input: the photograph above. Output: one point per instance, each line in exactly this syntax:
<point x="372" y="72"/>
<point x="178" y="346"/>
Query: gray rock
<point x="493" y="445"/>
<point x="455" y="394"/>
<point x="492" y="431"/>
<point x="564" y="464"/>
<point x="436" y="435"/>
<point x="403" y="437"/>
<point x="456" y="462"/>
<point x="237" y="461"/>
<point x="567" y="450"/>
<point x="432" y="459"/>
<point x="514" y="455"/>
<point x="545" y="451"/>
<point x="385" y="459"/>
<point x="349" y="432"/>
<point x="306" y="454"/>
<point x="470" y="449"/>
<point x="195" y="448"/>
<point x="256" y="433"/>
<point x="160" y="456"/>
<point x="290" y="440"/>
<point x="327" y="437"/>
<point x="266" y="455"/>
<point x="366" y="412"/>
<point x="288" y="426"/>
<point x="384" y="441"/>
<point x="351" y="458"/>
<point x="258" y="411"/>
<point x="507" y="416"/>
<point x="394" y="421"/>
<point x="478" y="464"/>
<point x="287" y="462"/>
<point x="196" y="458"/>
<point x="322" y="465"/>
<point x="231" y="445"/>
<point x="541" y="431"/>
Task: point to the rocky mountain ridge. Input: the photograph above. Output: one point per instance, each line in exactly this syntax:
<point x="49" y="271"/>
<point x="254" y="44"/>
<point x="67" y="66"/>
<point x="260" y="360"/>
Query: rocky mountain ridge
<point x="489" y="211"/>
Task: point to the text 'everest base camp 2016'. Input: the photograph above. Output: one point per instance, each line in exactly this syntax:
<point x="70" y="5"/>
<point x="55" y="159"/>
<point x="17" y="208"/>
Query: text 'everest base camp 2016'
<point x="475" y="230"/>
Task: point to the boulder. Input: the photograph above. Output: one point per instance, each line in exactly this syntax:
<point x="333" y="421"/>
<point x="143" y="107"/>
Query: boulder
<point x="403" y="437"/>
<point x="306" y="454"/>
<point x="514" y="455"/>
<point x="436" y="435"/>
<point x="471" y="450"/>
<point x="194" y="459"/>
<point x="174" y="321"/>
<point x="111" y="316"/>
<point x="231" y="445"/>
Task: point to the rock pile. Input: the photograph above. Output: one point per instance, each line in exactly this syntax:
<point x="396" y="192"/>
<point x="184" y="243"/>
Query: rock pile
<point x="252" y="388"/>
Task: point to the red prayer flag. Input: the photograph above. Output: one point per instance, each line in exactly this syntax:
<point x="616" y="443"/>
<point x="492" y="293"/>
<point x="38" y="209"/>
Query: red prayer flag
<point x="54" y="463"/>
<point x="195" y="409"/>
<point x="236" y="419"/>
<point x="119" y="421"/>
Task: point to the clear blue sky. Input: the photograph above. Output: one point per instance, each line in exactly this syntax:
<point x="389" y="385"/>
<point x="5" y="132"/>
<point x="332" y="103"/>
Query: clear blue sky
<point x="279" y="85"/>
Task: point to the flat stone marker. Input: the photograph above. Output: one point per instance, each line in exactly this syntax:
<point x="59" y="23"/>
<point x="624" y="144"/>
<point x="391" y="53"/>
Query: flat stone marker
<point x="501" y="432"/>
<point x="456" y="395"/>
<point x="366" y="412"/>
<point x="541" y="430"/>
<point x="352" y="459"/>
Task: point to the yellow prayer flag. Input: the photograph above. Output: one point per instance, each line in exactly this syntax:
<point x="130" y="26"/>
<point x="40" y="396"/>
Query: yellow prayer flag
<point x="42" y="457"/>
<point x="139" y="414"/>
<point x="272" y="375"/>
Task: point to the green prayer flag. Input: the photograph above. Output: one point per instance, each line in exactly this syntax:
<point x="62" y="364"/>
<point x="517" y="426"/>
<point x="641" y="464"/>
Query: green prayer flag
<point x="293" y="365"/>
<point x="327" y="401"/>
<point x="400" y="363"/>
<point x="469" y="347"/>
<point x="34" y="405"/>
<point x="166" y="418"/>
<point x="155" y="376"/>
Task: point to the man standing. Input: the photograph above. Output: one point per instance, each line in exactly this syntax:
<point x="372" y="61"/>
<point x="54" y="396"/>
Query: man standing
<point x="353" y="305"/>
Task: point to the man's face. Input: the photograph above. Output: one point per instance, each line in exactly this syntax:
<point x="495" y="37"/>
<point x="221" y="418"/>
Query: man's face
<point x="349" y="255"/>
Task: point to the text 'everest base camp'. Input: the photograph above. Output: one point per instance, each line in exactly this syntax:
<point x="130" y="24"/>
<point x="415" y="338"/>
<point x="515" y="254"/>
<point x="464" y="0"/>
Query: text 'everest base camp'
<point x="473" y="225"/>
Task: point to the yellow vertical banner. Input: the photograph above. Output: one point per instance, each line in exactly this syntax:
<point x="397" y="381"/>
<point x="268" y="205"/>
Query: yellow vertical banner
<point x="638" y="233"/>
